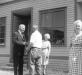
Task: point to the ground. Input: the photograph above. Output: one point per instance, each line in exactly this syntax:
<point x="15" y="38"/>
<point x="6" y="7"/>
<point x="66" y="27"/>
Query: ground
<point x="9" y="71"/>
<point x="2" y="72"/>
<point x="55" y="67"/>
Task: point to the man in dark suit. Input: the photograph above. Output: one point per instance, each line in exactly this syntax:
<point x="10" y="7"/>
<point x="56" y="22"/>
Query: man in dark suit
<point x="18" y="52"/>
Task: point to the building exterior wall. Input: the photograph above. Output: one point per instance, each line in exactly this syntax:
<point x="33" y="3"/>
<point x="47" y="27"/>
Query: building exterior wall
<point x="37" y="5"/>
<point x="79" y="10"/>
<point x="79" y="0"/>
<point x="4" y="1"/>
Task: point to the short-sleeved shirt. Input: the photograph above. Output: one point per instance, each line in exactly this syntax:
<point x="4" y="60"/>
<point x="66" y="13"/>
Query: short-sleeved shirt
<point x="36" y="39"/>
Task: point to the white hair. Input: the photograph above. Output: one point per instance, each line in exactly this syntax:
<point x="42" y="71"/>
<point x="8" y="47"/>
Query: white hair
<point x="79" y="22"/>
<point x="21" y="26"/>
<point x="47" y="35"/>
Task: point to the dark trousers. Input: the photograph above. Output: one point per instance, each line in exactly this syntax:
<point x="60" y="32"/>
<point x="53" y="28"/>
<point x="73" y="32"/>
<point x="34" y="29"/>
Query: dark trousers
<point x="18" y="65"/>
<point x="35" y="63"/>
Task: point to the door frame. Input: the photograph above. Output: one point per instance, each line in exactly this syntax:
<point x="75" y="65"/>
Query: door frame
<point x="11" y="36"/>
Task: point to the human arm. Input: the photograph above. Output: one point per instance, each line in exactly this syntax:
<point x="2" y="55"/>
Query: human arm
<point x="49" y="49"/>
<point x="17" y="39"/>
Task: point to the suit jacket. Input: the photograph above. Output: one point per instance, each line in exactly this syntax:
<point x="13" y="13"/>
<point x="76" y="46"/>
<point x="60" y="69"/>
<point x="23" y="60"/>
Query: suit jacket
<point x="18" y="41"/>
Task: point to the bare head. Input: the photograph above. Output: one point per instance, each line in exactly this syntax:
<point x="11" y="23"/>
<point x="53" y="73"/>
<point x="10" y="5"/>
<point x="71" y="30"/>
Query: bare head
<point x="35" y="27"/>
<point x="46" y="36"/>
<point x="22" y="27"/>
<point x="78" y="26"/>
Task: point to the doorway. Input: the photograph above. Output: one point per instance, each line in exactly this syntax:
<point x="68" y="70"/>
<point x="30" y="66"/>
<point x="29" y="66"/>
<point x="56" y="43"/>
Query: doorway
<point x="22" y="16"/>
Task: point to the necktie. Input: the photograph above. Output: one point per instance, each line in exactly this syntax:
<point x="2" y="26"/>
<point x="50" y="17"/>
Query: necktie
<point x="23" y="37"/>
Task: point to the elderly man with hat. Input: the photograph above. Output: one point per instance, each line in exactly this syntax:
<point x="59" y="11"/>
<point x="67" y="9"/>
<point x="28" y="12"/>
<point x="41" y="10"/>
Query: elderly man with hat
<point x="18" y="51"/>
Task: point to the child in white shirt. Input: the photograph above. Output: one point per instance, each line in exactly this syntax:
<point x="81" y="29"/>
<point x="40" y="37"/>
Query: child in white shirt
<point x="46" y="48"/>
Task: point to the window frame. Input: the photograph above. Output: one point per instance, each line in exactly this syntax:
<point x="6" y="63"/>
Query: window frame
<point x="65" y="26"/>
<point x="1" y="45"/>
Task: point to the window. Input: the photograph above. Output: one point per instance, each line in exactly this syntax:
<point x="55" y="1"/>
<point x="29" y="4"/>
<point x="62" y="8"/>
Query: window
<point x="53" y="22"/>
<point x="2" y="30"/>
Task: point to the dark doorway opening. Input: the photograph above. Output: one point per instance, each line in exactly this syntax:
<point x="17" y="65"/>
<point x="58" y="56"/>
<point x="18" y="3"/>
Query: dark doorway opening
<point x="22" y="16"/>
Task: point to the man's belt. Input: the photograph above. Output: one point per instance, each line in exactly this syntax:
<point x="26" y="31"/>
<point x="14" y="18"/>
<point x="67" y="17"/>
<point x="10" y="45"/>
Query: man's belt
<point x="36" y="47"/>
<point x="44" y="48"/>
<point x="36" y="52"/>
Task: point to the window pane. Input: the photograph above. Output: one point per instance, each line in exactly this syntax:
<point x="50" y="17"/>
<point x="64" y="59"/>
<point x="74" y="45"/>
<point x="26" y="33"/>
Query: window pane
<point x="57" y="36"/>
<point x="2" y="30"/>
<point x="2" y="35"/>
<point x="43" y="20"/>
<point x="53" y="22"/>
<point x="46" y="20"/>
<point x="2" y="21"/>
<point x="1" y="41"/>
<point x="59" y="18"/>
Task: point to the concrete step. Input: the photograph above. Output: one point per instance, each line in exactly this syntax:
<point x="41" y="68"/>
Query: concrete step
<point x="55" y="65"/>
<point x="6" y="68"/>
<point x="9" y="67"/>
<point x="51" y="70"/>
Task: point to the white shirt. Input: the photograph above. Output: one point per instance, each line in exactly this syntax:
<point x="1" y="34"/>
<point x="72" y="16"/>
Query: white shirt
<point x="36" y="39"/>
<point x="20" y="33"/>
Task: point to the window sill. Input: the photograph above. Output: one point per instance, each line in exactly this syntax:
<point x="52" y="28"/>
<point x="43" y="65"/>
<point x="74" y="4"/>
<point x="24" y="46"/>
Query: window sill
<point x="2" y="44"/>
<point x="58" y="46"/>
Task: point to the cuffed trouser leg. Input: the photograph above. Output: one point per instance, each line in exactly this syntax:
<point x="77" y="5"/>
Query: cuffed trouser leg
<point x="20" y="66"/>
<point x="38" y="66"/>
<point x="35" y="62"/>
<point x="44" y="69"/>
<point x="32" y="69"/>
<point x="15" y="65"/>
<point x="32" y="65"/>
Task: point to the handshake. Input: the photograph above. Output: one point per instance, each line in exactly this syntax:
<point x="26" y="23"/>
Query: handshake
<point x="25" y="43"/>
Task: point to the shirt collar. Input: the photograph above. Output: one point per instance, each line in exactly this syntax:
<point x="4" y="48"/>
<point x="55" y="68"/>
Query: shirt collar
<point x="19" y="31"/>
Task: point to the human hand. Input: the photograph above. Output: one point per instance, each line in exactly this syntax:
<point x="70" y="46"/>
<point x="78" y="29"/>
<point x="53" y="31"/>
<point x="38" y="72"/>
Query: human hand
<point x="24" y="43"/>
<point x="31" y="44"/>
<point x="74" y="59"/>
